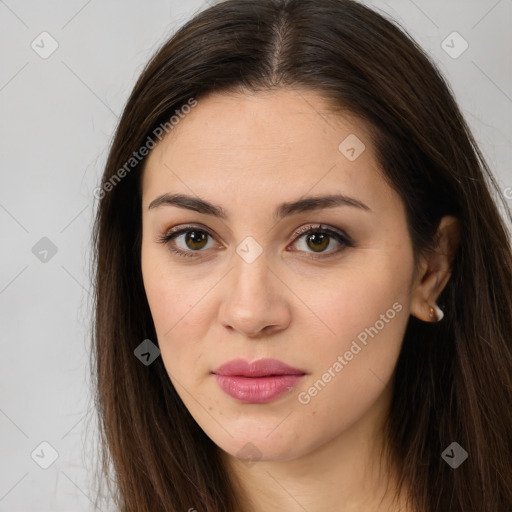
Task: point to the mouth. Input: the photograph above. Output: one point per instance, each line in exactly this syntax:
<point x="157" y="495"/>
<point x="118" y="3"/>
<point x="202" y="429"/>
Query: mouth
<point x="261" y="381"/>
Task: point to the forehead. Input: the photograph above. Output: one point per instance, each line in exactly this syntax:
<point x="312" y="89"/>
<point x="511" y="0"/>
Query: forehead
<point x="279" y="143"/>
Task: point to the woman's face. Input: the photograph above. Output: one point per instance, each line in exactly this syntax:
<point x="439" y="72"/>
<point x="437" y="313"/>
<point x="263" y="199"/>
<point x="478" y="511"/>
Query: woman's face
<point x="256" y="277"/>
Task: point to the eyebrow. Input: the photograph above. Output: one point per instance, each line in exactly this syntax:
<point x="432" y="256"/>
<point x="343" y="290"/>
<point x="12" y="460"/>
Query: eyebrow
<point x="283" y="210"/>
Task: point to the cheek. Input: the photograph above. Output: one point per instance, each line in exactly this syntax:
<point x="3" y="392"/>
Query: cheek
<point x="167" y="293"/>
<point x="362" y="293"/>
<point x="179" y="311"/>
<point x="364" y="313"/>
<point x="351" y="369"/>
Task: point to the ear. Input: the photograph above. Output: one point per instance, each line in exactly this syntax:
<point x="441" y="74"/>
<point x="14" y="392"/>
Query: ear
<point x="435" y="270"/>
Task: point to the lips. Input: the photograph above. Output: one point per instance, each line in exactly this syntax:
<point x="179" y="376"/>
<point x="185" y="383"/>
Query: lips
<point x="259" y="368"/>
<point x="258" y="382"/>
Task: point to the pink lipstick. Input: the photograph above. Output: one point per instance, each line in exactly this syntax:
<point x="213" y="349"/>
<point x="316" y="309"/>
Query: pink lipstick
<point x="258" y="382"/>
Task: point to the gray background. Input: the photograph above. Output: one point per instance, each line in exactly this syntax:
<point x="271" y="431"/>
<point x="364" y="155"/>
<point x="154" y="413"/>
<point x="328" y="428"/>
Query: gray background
<point x="58" y="116"/>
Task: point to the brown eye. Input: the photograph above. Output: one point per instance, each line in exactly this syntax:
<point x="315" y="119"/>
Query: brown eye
<point x="188" y="242"/>
<point x="191" y="241"/>
<point x="317" y="241"/>
<point x="196" y="240"/>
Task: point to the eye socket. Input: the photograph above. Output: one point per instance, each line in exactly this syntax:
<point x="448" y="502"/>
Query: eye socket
<point x="317" y="234"/>
<point x="192" y="235"/>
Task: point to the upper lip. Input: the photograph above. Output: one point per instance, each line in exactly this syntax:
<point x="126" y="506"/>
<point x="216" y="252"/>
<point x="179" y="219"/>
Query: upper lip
<point x="259" y="368"/>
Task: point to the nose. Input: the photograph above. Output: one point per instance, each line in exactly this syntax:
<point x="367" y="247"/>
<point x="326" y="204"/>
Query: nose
<point x="254" y="299"/>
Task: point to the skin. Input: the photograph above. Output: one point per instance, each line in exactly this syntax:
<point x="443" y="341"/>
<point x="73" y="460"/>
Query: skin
<point x="249" y="153"/>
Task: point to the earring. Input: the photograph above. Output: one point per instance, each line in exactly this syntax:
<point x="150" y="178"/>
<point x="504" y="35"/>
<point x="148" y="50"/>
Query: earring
<point x="436" y="311"/>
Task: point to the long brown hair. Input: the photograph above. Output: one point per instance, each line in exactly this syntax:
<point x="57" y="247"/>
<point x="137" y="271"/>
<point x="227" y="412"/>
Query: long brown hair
<point x="453" y="381"/>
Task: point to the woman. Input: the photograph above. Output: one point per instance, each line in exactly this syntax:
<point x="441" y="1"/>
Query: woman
<point x="291" y="205"/>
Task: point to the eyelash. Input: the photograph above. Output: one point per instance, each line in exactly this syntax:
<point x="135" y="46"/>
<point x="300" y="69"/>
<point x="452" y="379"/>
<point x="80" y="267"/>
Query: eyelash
<point x="340" y="237"/>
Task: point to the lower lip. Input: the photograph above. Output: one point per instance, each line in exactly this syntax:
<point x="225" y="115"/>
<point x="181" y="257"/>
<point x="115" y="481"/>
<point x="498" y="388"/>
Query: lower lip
<point x="257" y="390"/>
